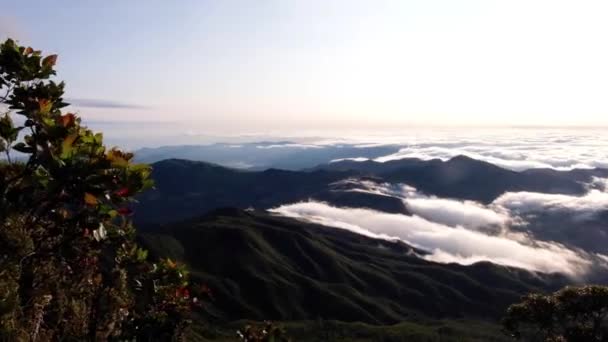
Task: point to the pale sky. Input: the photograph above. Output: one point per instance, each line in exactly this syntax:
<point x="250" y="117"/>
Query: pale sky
<point x="239" y="66"/>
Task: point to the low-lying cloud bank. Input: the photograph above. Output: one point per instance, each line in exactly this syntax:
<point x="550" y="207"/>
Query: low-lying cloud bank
<point x="464" y="232"/>
<point x="457" y="213"/>
<point x="512" y="149"/>
<point x="504" y="211"/>
<point x="525" y="202"/>
<point x="444" y="243"/>
<point x="449" y="212"/>
<point x="512" y="160"/>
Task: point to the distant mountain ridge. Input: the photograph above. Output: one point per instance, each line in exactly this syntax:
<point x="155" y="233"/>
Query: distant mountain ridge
<point x="467" y="178"/>
<point x="187" y="188"/>
<point x="286" y="155"/>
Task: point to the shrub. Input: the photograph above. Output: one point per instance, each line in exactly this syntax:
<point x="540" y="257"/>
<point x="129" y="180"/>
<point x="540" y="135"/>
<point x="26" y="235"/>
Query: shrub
<point x="69" y="265"/>
<point x="573" y="314"/>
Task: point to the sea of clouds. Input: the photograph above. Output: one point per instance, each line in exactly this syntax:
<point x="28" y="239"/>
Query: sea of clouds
<point x="515" y="149"/>
<point x="512" y="148"/>
<point x="465" y="232"/>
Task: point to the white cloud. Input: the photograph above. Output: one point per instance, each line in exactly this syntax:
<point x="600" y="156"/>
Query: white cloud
<point x="503" y="212"/>
<point x="598" y="184"/>
<point x="457" y="213"/>
<point x="450" y="212"/>
<point x="357" y="159"/>
<point x="464" y="232"/>
<point x="515" y="149"/>
<point x="445" y="243"/>
<point x="507" y="157"/>
<point x="436" y="152"/>
<point x="303" y="146"/>
<point x="526" y="202"/>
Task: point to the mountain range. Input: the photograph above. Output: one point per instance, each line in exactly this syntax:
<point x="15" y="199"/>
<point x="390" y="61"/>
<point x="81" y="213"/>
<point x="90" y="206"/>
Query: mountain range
<point x="285" y="155"/>
<point x="189" y="188"/>
<point x="263" y="266"/>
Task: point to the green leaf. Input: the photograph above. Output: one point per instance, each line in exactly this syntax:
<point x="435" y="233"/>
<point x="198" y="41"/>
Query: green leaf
<point x="7" y="128"/>
<point x="23" y="148"/>
<point x="139" y="167"/>
<point x="87" y="139"/>
<point x="43" y="176"/>
<point x="142" y="254"/>
<point x="67" y="144"/>
<point x="116" y="159"/>
<point x="99" y="138"/>
<point x="48" y="121"/>
<point x="104" y="209"/>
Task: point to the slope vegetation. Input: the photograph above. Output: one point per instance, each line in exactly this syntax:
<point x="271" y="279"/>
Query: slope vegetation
<point x="265" y="267"/>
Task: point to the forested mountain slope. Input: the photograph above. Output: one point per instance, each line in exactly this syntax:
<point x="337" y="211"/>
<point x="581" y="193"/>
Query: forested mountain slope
<point x="266" y="267"/>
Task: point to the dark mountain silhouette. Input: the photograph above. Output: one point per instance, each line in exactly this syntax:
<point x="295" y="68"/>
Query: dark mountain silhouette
<point x="466" y="178"/>
<point x="264" y="154"/>
<point x="187" y="189"/>
<point x="266" y="267"/>
<point x="587" y="231"/>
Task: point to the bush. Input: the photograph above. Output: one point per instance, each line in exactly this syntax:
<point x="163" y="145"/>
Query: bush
<point x="69" y="266"/>
<point x="573" y="314"/>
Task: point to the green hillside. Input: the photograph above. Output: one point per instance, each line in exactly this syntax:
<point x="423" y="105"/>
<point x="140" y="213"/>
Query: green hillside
<point x="262" y="267"/>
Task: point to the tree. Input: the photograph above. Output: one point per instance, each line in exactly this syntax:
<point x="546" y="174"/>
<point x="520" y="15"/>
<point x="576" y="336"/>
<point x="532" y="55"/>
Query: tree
<point x="70" y="268"/>
<point x="573" y="314"/>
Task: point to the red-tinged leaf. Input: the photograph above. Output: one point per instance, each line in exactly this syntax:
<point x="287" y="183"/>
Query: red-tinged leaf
<point x="90" y="199"/>
<point x="125" y="211"/>
<point x="171" y="263"/>
<point x="204" y="289"/>
<point x="49" y="61"/>
<point x="183" y="292"/>
<point x="45" y="105"/>
<point x="28" y="51"/>
<point x="64" y="213"/>
<point x="68" y="120"/>
<point x="123" y="192"/>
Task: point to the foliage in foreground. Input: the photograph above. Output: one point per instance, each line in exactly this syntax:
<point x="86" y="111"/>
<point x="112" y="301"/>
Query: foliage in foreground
<point x="268" y="332"/>
<point x="319" y="330"/>
<point x="573" y="314"/>
<point x="69" y="266"/>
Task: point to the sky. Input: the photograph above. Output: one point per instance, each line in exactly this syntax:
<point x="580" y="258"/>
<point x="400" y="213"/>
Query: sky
<point x="246" y="66"/>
